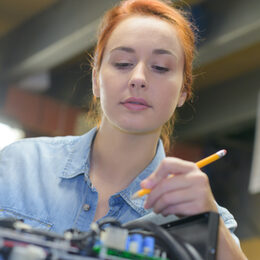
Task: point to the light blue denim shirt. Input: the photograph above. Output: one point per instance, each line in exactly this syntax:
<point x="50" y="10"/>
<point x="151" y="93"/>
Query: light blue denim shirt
<point x="45" y="182"/>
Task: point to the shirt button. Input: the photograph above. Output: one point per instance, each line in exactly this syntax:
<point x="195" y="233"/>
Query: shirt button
<point x="86" y="207"/>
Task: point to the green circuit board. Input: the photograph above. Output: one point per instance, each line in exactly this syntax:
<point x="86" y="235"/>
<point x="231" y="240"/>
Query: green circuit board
<point x="111" y="253"/>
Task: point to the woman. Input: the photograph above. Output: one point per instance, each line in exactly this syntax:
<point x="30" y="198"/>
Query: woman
<point x="141" y="73"/>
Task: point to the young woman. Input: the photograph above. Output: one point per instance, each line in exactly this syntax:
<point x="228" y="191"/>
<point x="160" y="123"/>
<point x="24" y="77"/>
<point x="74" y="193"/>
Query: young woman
<point x="141" y="74"/>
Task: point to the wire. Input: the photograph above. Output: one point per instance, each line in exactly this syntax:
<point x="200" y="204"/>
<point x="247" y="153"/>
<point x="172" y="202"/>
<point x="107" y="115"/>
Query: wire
<point x="175" y="247"/>
<point x="111" y="221"/>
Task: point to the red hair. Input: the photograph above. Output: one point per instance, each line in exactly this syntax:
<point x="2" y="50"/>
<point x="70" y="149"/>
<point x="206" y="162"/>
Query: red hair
<point x="163" y="11"/>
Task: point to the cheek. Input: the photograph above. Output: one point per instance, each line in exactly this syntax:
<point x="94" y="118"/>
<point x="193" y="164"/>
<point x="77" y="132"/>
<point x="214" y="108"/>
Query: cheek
<point x="109" y="79"/>
<point x="168" y="98"/>
<point x="169" y="105"/>
<point x="105" y="83"/>
<point x="109" y="91"/>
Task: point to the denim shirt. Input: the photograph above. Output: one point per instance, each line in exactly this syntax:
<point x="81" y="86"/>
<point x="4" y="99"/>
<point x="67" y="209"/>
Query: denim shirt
<point x="45" y="181"/>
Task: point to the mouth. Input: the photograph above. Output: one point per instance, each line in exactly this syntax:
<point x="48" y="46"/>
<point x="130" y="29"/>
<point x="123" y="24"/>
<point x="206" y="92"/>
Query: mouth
<point x="135" y="104"/>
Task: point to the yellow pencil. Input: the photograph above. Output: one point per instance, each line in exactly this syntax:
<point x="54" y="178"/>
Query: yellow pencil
<point x="200" y="164"/>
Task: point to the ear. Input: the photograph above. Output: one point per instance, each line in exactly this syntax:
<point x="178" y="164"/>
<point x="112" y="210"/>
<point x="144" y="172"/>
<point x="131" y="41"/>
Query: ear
<point x="182" y="98"/>
<point x="95" y="84"/>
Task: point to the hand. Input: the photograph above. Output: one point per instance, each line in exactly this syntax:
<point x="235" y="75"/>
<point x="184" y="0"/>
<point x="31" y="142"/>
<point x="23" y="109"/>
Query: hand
<point x="179" y="187"/>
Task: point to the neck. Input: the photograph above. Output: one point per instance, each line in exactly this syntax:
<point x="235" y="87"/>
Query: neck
<point x="121" y="156"/>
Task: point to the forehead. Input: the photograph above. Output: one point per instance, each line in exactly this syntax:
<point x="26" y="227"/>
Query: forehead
<point x="145" y="31"/>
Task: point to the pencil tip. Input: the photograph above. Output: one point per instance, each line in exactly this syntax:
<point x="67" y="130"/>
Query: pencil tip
<point x="222" y="153"/>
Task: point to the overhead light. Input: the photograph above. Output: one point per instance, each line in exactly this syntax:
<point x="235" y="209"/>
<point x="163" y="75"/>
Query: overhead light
<point x="37" y="82"/>
<point x="9" y="135"/>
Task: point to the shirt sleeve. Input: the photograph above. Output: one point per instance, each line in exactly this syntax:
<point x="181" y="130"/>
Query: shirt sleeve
<point x="229" y="221"/>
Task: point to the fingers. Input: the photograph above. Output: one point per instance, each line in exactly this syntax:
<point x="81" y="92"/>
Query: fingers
<point x="169" y="199"/>
<point x="168" y="166"/>
<point x="165" y="186"/>
<point x="187" y="192"/>
<point x="187" y="201"/>
<point x="183" y="209"/>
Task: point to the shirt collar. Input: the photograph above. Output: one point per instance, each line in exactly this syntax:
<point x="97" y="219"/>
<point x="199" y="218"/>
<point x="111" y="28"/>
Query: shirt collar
<point x="138" y="204"/>
<point x="78" y="162"/>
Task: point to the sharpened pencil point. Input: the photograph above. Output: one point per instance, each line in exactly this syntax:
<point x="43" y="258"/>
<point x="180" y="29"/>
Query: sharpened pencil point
<point x="222" y="153"/>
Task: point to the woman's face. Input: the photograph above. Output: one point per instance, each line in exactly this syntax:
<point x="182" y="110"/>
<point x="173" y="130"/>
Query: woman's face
<point x="141" y="75"/>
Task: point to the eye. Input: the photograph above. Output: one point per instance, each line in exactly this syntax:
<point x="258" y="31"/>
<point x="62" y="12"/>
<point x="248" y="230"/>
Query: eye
<point x="122" y="65"/>
<point x="160" y="69"/>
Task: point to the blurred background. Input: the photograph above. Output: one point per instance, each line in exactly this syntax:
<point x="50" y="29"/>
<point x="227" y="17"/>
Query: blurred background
<point x="45" y="88"/>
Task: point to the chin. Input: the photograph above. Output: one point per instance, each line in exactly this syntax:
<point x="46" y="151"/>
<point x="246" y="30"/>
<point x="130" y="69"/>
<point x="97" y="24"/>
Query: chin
<point x="135" y="127"/>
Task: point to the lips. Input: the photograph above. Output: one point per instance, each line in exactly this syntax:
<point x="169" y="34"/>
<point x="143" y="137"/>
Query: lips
<point x="135" y="104"/>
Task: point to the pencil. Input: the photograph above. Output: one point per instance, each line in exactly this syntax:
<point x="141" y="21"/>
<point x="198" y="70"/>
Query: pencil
<point x="210" y="159"/>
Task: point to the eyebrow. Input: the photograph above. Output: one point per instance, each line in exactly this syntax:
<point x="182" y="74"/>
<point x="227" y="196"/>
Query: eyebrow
<point x="162" y="51"/>
<point x="122" y="48"/>
<point x="155" y="51"/>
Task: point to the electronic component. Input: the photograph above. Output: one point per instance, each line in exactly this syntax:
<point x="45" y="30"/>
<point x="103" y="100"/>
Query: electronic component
<point x="110" y="240"/>
<point x="114" y="237"/>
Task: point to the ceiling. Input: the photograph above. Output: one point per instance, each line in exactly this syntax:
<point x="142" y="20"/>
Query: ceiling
<point x="15" y="12"/>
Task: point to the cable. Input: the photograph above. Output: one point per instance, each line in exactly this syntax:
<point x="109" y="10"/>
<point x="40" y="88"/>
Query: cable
<point x="176" y="247"/>
<point x="111" y="221"/>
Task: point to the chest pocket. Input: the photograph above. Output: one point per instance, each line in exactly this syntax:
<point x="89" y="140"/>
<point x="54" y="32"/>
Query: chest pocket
<point x="33" y="222"/>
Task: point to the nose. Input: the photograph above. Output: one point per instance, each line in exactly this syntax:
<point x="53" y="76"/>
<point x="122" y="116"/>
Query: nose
<point x="138" y="77"/>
